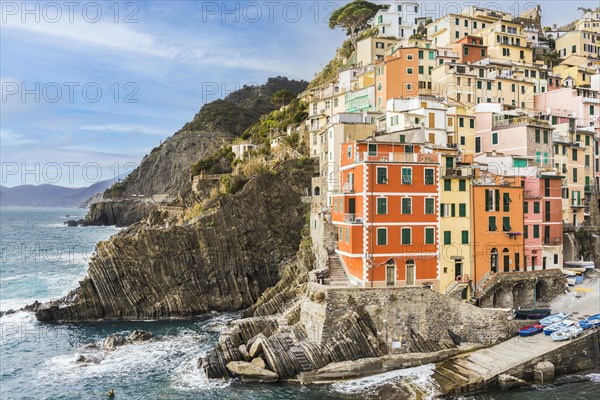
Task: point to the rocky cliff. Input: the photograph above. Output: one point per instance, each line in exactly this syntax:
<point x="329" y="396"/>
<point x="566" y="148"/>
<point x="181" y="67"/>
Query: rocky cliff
<point x="166" y="169"/>
<point x="223" y="260"/>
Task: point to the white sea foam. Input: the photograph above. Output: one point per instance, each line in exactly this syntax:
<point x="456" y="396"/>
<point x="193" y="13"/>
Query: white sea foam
<point x="417" y="376"/>
<point x="188" y="376"/>
<point x="134" y="360"/>
<point x="594" y="377"/>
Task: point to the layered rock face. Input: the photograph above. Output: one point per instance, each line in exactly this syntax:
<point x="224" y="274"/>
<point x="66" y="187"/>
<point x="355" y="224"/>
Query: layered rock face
<point x="316" y="334"/>
<point x="119" y="213"/>
<point x="223" y="261"/>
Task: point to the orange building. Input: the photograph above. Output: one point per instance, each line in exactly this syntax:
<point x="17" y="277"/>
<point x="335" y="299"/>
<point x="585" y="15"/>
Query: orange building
<point x="470" y="49"/>
<point x="398" y="75"/>
<point x="497" y="226"/>
<point x="387" y="214"/>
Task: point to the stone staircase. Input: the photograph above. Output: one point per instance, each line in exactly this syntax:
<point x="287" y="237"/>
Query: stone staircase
<point x="337" y="276"/>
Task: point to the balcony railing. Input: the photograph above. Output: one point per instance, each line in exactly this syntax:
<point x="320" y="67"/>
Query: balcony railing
<point x="352" y="219"/>
<point x="552" y="241"/>
<point x="386" y="157"/>
<point x="348" y="188"/>
<point x="464" y="172"/>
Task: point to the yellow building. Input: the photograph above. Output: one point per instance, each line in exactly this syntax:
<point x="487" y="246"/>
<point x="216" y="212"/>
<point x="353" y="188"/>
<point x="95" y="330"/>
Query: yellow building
<point x="580" y="74"/>
<point x="371" y="49"/>
<point x="506" y="41"/>
<point x="581" y="43"/>
<point x="590" y="21"/>
<point x="455" y="227"/>
<point x="461" y="129"/>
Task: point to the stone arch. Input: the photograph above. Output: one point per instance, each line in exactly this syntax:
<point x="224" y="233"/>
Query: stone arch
<point x="522" y="294"/>
<point x="568" y="247"/>
<point x="502" y="298"/>
<point x="543" y="291"/>
<point x="317" y="191"/>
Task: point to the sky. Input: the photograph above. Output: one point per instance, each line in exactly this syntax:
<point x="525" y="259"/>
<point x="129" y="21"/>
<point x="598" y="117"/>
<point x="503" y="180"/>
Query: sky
<point x="89" y="87"/>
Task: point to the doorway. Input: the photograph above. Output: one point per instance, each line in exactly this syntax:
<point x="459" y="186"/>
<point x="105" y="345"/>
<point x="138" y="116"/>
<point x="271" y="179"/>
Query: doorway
<point x="351" y="206"/>
<point x="457" y="269"/>
<point x="410" y="273"/>
<point x="390" y="273"/>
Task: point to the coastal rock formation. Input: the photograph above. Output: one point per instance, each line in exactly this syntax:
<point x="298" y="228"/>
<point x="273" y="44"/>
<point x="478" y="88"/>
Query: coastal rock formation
<point x="222" y="261"/>
<point x="251" y="372"/>
<point x="322" y="332"/>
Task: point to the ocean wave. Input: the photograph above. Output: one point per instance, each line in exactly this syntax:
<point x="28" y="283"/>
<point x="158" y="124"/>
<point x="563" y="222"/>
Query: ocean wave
<point x="594" y="377"/>
<point x="419" y="377"/>
<point x="187" y="376"/>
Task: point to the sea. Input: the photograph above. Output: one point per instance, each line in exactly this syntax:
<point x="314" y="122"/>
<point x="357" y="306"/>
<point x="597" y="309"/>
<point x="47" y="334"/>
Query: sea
<point x="43" y="259"/>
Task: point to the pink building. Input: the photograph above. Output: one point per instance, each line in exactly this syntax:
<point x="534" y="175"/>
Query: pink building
<point x="532" y="213"/>
<point x="583" y="104"/>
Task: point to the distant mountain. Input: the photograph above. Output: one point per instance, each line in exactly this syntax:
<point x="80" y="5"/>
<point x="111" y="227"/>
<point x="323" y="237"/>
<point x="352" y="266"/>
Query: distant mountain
<point x="50" y="195"/>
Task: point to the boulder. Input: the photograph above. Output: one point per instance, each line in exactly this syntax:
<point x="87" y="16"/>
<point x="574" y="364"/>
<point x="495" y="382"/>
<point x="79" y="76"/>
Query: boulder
<point x="260" y="362"/>
<point x="508" y="381"/>
<point x="139" y="336"/>
<point x="257" y="347"/>
<point x="113" y="341"/>
<point x="244" y="352"/>
<point x="543" y="372"/>
<point x="88" y="359"/>
<point x="89" y="346"/>
<point x="250" y="372"/>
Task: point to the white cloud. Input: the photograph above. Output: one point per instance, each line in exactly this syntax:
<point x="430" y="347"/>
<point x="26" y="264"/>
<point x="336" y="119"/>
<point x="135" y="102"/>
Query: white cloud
<point x="9" y="137"/>
<point x="122" y="128"/>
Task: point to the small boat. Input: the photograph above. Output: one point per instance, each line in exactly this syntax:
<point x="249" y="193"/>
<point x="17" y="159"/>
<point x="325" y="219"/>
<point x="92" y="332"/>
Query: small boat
<point x="566" y="333"/>
<point x="558" y="326"/>
<point x="568" y="272"/>
<point x="579" y="279"/>
<point x="535" y="313"/>
<point x="574" y="269"/>
<point x="590" y="322"/>
<point x="552" y="319"/>
<point x="580" y="264"/>
<point x="530" y="330"/>
<point x="571" y="280"/>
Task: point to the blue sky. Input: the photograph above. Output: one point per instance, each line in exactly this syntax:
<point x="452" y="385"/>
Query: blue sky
<point x="88" y="89"/>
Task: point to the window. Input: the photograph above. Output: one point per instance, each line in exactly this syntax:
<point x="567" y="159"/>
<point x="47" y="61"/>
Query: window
<point x="463" y="141"/>
<point x="506" y="224"/>
<point x="429" y="235"/>
<point x="492" y="224"/>
<point x="447" y="237"/>
<point x="536" y="231"/>
<point x="407" y="176"/>
<point x="406" y="205"/>
<point x="421" y="69"/>
<point x="466" y="51"/>
<point x="461" y="122"/>
<point x="591" y="110"/>
<point x="492" y="200"/>
<point x="372" y="150"/>
<point x="409" y="71"/>
<point x="382" y="236"/>
<point x="574" y="154"/>
<point x="382" y="175"/>
<point x="545" y="137"/>
<point x="462" y="210"/>
<point x="482" y="52"/>
<point x="489" y="86"/>
<point x="472" y="123"/>
<point x="574" y="174"/>
<point x="462" y="185"/>
<point x="347" y="235"/>
<point x="447" y="185"/>
<point x="349" y="151"/>
<point x="465" y="237"/>
<point x="506" y="202"/>
<point x="537" y="136"/>
<point x="479" y="84"/>
<point x="525" y="207"/>
<point x="494" y="138"/>
<point x="536" y="207"/>
<point x="382" y="205"/>
<point x="406" y="236"/>
<point x="429" y="205"/>
<point x="432" y="55"/>
<point x="587" y="160"/>
<point x="420" y="54"/>
<point x="526" y="232"/>
<point x="429" y="178"/>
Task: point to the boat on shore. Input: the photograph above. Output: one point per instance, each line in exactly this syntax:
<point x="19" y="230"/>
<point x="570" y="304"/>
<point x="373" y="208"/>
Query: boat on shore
<point x="533" y="313"/>
<point x="580" y="264"/>
<point x="590" y="322"/>
<point x="571" y="280"/>
<point x="558" y="326"/>
<point x="530" y="330"/>
<point x="566" y="333"/>
<point x="553" y="319"/>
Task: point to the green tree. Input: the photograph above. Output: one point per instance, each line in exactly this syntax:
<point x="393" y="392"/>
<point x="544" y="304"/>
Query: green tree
<point x="282" y="97"/>
<point x="354" y="16"/>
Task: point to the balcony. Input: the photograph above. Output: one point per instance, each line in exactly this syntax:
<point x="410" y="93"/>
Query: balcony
<point x="352" y="219"/>
<point x="465" y="172"/>
<point x="533" y="194"/>
<point x="348" y="188"/>
<point x="520" y="120"/>
<point x="587" y="189"/>
<point x="385" y="157"/>
<point x="552" y="241"/>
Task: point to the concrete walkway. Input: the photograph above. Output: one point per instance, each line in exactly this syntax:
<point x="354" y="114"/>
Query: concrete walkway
<point x="476" y="370"/>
